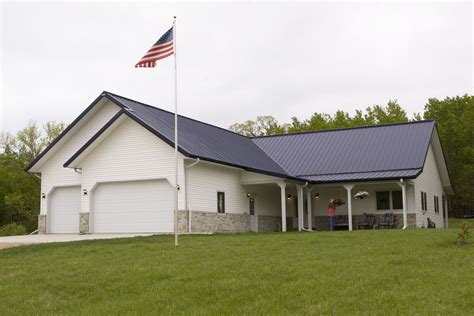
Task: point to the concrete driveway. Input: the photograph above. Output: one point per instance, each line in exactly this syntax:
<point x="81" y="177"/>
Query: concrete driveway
<point x="12" y="241"/>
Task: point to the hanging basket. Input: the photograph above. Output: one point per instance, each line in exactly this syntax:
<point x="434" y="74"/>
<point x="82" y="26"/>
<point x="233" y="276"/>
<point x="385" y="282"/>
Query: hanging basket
<point x="361" y="195"/>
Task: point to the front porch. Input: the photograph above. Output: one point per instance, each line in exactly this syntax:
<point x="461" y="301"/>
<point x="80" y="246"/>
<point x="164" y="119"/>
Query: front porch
<point x="275" y="205"/>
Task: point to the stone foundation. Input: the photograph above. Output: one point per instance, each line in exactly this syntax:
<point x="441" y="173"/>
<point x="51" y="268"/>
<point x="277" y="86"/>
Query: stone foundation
<point x="83" y="223"/>
<point x="41" y="224"/>
<point x="322" y="222"/>
<point x="183" y="221"/>
<point x="204" y="222"/>
<point x="268" y="223"/>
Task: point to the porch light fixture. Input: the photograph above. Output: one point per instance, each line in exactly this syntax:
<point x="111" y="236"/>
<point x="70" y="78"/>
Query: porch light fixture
<point x="249" y="195"/>
<point x="43" y="196"/>
<point x="316" y="196"/>
<point x="289" y="197"/>
<point x="84" y="192"/>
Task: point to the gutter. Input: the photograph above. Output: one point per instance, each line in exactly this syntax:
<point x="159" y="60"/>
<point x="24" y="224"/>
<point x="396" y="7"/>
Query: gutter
<point x="186" y="193"/>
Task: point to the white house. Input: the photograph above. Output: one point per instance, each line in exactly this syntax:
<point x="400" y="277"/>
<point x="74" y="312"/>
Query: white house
<point x="112" y="171"/>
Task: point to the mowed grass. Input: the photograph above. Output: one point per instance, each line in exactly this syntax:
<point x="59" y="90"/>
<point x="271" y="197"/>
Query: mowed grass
<point x="389" y="272"/>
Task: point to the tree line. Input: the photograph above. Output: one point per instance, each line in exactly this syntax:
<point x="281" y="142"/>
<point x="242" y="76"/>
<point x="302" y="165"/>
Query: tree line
<point x="454" y="118"/>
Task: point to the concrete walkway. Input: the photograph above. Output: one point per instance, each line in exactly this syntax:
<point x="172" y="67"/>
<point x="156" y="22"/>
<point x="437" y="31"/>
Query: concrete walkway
<point x="12" y="241"/>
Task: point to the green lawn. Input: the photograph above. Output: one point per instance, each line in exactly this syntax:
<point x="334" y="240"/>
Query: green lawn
<point x="361" y="272"/>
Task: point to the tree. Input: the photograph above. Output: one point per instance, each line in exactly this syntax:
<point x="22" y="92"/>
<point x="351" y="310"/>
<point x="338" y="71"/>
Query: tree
<point x="455" y="121"/>
<point x="19" y="191"/>
<point x="263" y="125"/>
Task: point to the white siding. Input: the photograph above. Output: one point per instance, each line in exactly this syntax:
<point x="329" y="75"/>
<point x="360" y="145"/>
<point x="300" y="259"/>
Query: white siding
<point x="130" y="153"/>
<point x="429" y="181"/>
<point x="267" y="198"/>
<point x="53" y="174"/>
<point x="205" y="180"/>
<point x="252" y="177"/>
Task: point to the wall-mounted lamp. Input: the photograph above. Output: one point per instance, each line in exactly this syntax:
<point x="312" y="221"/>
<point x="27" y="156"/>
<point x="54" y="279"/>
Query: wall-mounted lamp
<point x="316" y="196"/>
<point x="84" y="192"/>
<point x="249" y="195"/>
<point x="43" y="196"/>
<point x="289" y="197"/>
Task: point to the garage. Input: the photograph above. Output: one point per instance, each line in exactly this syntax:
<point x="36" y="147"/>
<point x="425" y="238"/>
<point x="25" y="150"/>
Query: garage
<point x="64" y="208"/>
<point x="132" y="207"/>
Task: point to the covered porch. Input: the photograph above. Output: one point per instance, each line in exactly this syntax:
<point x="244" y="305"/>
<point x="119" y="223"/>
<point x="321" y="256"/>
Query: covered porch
<point x="278" y="205"/>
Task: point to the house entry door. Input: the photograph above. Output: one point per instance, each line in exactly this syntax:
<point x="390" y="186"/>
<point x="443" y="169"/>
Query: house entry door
<point x="253" y="215"/>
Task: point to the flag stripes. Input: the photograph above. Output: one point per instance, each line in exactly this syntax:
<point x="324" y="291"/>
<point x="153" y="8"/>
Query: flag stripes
<point x="163" y="48"/>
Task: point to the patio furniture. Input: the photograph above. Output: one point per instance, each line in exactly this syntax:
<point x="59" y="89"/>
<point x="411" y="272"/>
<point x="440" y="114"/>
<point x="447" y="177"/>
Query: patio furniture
<point x="387" y="221"/>
<point x="342" y="221"/>
<point x="431" y="224"/>
<point x="369" y="221"/>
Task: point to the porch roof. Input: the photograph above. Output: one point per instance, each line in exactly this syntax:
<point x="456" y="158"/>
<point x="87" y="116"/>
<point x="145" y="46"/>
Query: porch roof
<point x="366" y="176"/>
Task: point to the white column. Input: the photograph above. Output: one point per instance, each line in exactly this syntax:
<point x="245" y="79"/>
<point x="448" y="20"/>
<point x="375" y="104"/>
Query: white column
<point x="282" y="186"/>
<point x="349" y="204"/>
<point x="299" y="191"/>
<point x="404" y="201"/>
<point x="310" y="211"/>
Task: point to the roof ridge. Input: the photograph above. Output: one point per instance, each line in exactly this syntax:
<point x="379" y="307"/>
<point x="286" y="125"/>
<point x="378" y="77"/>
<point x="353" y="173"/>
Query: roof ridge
<point x="344" y="129"/>
<point x="353" y="172"/>
<point x="179" y="115"/>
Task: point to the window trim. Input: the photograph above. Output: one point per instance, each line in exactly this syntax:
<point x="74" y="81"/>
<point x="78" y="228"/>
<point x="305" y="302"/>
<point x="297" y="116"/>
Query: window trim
<point x="390" y="201"/>
<point x="221" y="193"/>
<point x="436" y="204"/>
<point x="424" y="202"/>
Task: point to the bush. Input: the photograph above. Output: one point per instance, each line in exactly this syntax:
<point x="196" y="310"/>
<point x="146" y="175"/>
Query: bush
<point x="465" y="234"/>
<point x="12" y="229"/>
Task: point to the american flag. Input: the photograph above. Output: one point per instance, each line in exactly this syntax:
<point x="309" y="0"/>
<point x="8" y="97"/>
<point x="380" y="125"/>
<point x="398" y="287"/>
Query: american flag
<point x="161" y="49"/>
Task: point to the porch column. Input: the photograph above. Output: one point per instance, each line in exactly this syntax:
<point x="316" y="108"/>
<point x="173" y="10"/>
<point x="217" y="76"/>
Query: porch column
<point x="310" y="211"/>
<point x="282" y="186"/>
<point x="299" y="191"/>
<point x="404" y="201"/>
<point x="349" y="204"/>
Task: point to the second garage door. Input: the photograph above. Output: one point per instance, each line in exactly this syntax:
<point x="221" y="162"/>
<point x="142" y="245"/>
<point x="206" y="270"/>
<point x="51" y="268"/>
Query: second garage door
<point x="133" y="207"/>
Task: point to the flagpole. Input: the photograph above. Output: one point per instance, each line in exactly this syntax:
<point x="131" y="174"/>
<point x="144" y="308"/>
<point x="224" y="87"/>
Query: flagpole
<point x="175" y="134"/>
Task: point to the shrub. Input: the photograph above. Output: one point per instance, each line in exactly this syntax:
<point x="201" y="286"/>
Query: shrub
<point x="12" y="229"/>
<point x="464" y="234"/>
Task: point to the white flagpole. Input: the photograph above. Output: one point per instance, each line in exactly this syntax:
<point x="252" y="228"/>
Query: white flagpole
<point x="175" y="135"/>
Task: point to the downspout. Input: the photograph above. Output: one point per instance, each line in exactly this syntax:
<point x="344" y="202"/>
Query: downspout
<point x="38" y="175"/>
<point x="186" y="197"/>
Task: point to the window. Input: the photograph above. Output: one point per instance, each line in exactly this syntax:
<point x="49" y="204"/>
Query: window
<point x="397" y="201"/>
<point x="220" y="202"/>
<point x="383" y="200"/>
<point x="251" y="206"/>
<point x="424" y="207"/>
<point x="436" y="204"/>
<point x="443" y="205"/>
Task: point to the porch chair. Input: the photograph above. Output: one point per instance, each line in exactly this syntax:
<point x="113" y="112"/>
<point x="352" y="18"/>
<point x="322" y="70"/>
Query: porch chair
<point x="369" y="221"/>
<point x="431" y="224"/>
<point x="387" y="221"/>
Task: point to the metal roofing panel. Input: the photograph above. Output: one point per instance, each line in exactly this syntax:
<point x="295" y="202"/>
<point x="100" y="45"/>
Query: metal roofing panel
<point x="204" y="140"/>
<point x="354" y="150"/>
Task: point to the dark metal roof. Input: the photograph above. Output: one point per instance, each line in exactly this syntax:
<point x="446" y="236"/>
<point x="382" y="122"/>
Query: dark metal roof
<point x="371" y="152"/>
<point x="364" y="153"/>
<point x="198" y="139"/>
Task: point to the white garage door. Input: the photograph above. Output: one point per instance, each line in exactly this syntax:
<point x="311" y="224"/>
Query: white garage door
<point x="64" y="208"/>
<point x="133" y="207"/>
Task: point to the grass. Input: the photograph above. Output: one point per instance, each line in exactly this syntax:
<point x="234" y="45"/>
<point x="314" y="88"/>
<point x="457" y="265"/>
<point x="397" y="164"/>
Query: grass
<point x="388" y="272"/>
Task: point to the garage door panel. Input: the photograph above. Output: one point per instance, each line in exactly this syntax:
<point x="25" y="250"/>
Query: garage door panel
<point x="64" y="209"/>
<point x="133" y="207"/>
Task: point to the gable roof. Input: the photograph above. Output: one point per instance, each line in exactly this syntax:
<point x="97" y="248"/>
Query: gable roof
<point x="371" y="152"/>
<point x="363" y="153"/>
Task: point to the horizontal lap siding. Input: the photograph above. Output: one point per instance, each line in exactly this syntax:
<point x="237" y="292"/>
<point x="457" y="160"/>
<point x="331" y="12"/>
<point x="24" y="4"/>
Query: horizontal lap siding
<point x="129" y="153"/>
<point x="429" y="181"/>
<point x="205" y="180"/>
<point x="53" y="174"/>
